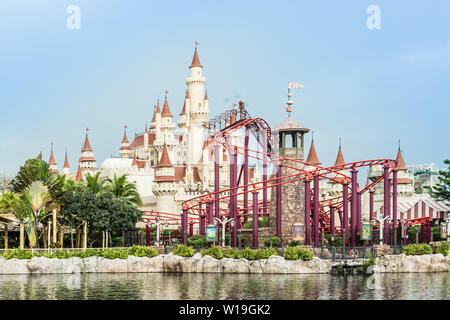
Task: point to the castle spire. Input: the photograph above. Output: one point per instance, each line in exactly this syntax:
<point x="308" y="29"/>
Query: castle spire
<point x="66" y="162"/>
<point x="165" y="160"/>
<point x="400" y="162"/>
<point x="195" y="59"/>
<point x="312" y="155"/>
<point x="52" y="158"/>
<point x="166" y="109"/>
<point x="87" y="145"/>
<point x="134" y="163"/>
<point x="79" y="175"/>
<point x="146" y="129"/>
<point x="340" y="157"/>
<point x="206" y="94"/>
<point x="125" y="139"/>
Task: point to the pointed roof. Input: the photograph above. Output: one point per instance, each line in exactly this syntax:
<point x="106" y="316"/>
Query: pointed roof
<point x="368" y="182"/>
<point x="79" y="175"/>
<point x="165" y="160"/>
<point x="195" y="60"/>
<point x="66" y="162"/>
<point x="206" y="94"/>
<point x="312" y="155"/>
<point x="184" y="108"/>
<point x="340" y="158"/>
<point x="52" y="158"/>
<point x="289" y="124"/>
<point x="125" y="139"/>
<point x="134" y="160"/>
<point x="87" y="145"/>
<point x="400" y="162"/>
<point x="158" y="109"/>
<point x="146" y="129"/>
<point x="166" y="109"/>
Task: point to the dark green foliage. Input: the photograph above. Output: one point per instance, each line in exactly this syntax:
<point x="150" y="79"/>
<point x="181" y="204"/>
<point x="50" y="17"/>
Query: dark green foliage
<point x="214" y="251"/>
<point x="293" y="243"/>
<point x="275" y="241"/>
<point x="197" y="241"/>
<point x="117" y="242"/>
<point x="443" y="247"/>
<point x="256" y="254"/>
<point x="227" y="239"/>
<point x="115" y="253"/>
<point x="17" y="254"/>
<point x="442" y="189"/>
<point x="366" y="264"/>
<point x="183" y="251"/>
<point x="296" y="253"/>
<point x="232" y="253"/>
<point x="263" y="222"/>
<point x="140" y="251"/>
<point x="417" y="249"/>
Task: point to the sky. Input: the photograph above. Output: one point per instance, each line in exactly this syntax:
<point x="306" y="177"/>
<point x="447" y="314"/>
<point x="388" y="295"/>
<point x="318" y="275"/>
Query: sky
<point x="369" y="87"/>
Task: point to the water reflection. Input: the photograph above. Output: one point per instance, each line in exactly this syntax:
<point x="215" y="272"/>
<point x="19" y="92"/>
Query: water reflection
<point x="157" y="286"/>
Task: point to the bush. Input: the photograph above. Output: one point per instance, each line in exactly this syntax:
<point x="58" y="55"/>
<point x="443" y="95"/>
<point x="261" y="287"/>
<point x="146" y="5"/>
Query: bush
<point x="113" y="254"/>
<point x="197" y="241"/>
<point x="117" y="242"/>
<point x="227" y="239"/>
<point x="275" y="241"/>
<point x="366" y="264"/>
<point x="140" y="251"/>
<point x="296" y="253"/>
<point x="262" y="223"/>
<point x="232" y="253"/>
<point x="293" y="243"/>
<point x="214" y="251"/>
<point x="17" y="254"/>
<point x="443" y="248"/>
<point x="183" y="251"/>
<point x="417" y="249"/>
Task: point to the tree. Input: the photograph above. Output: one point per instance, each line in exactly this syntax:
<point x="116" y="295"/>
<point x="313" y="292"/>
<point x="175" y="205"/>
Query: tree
<point x="96" y="183"/>
<point x="442" y="190"/>
<point x="121" y="188"/>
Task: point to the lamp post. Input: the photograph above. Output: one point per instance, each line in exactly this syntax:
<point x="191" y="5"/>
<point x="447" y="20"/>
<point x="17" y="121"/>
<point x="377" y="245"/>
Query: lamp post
<point x="223" y="223"/>
<point x="381" y="221"/>
<point x="158" y="224"/>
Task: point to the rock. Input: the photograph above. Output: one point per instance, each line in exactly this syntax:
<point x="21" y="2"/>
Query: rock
<point x="172" y="263"/>
<point x="72" y="265"/>
<point x="14" y="266"/>
<point x="256" y="266"/>
<point x="90" y="264"/>
<point x="211" y="265"/>
<point x="156" y="264"/>
<point x="43" y="265"/>
<point x="194" y="264"/>
<point x="138" y="264"/>
<point x="229" y="265"/>
<point x="112" y="265"/>
<point x="275" y="264"/>
<point x="437" y="258"/>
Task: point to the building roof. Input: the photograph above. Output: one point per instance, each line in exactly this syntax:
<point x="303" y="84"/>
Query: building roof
<point x="206" y="94"/>
<point x="312" y="155"/>
<point x="66" y="162"/>
<point x="195" y="60"/>
<point x="184" y="107"/>
<point x="87" y="145"/>
<point x="165" y="160"/>
<point x="290" y="124"/>
<point x="400" y="162"/>
<point x="340" y="158"/>
<point x="79" y="175"/>
<point x="166" y="109"/>
<point x="139" y="140"/>
<point x="52" y="158"/>
<point x="125" y="139"/>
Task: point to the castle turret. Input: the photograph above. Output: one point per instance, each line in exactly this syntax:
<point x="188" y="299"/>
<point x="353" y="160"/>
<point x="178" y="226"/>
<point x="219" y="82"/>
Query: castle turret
<point x="312" y="155"/>
<point x="125" y="146"/>
<point x="198" y="110"/>
<point x="66" y="167"/>
<point x="87" y="160"/>
<point x="79" y="176"/>
<point x="52" y="162"/>
<point x="165" y="138"/>
<point x="164" y="186"/>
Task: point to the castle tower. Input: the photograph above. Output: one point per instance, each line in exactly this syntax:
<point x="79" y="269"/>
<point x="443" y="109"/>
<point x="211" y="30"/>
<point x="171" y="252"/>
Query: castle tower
<point x="79" y="176"/>
<point x="125" y="146"/>
<point x="290" y="137"/>
<point x="405" y="180"/>
<point x="52" y="162"/>
<point x="164" y="187"/>
<point x="87" y="160"/>
<point x="66" y="167"/>
<point x="165" y="138"/>
<point x="336" y="187"/>
<point x="197" y="107"/>
<point x="312" y="157"/>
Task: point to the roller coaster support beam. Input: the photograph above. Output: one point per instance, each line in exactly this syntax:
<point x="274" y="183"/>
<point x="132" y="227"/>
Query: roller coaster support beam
<point x="216" y="179"/>
<point x="394" y="203"/>
<point x="332" y="225"/>
<point x="354" y="206"/>
<point x="371" y="214"/>
<point x="184" y="226"/>
<point x="340" y="217"/>
<point x="247" y="137"/>
<point x="191" y="229"/>
<point x="358" y="210"/>
<point x="428" y="232"/>
<point x="209" y="211"/>
<point x="387" y="202"/>
<point x="307" y="211"/>
<point x="345" y="213"/>
<point x="233" y="200"/>
<point x="422" y="232"/>
<point x="255" y="219"/>
<point x="316" y="211"/>
<point x="406" y="237"/>
<point x="265" y="209"/>
<point x="278" y="203"/>
<point x="147" y="233"/>
<point x="202" y="226"/>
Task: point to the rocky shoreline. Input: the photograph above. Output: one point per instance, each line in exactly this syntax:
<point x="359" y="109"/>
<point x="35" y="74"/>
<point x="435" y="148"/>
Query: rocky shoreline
<point x="207" y="264"/>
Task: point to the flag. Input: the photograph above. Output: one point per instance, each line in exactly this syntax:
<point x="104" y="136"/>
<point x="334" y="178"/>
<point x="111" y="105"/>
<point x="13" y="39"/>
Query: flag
<point x="294" y="85"/>
<point x="167" y="92"/>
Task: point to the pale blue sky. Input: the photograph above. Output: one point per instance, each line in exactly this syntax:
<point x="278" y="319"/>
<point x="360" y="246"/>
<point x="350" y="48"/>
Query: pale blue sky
<point x="370" y="87"/>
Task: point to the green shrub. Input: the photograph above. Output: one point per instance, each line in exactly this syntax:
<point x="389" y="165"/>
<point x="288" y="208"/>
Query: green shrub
<point x="263" y="222"/>
<point x="296" y="253"/>
<point x="232" y="253"/>
<point x="113" y="254"/>
<point x="417" y="249"/>
<point x="366" y="264"/>
<point x="117" y="241"/>
<point x="275" y="241"/>
<point x="227" y="239"/>
<point x="443" y="248"/>
<point x="141" y="251"/>
<point x="183" y="251"/>
<point x="214" y="251"/>
<point x="17" y="254"/>
<point x="197" y="241"/>
<point x="293" y="243"/>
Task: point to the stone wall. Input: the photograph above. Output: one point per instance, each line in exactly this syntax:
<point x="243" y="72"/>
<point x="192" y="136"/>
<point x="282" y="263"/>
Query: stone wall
<point x="247" y="236"/>
<point x="404" y="263"/>
<point x="292" y="203"/>
<point x="161" y="263"/>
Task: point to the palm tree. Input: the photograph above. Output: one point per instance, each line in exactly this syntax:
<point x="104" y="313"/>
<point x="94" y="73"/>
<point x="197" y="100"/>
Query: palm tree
<point x="121" y="188"/>
<point x="96" y="183"/>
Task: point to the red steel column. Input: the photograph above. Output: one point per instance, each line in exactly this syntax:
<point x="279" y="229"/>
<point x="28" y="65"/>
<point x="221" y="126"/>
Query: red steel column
<point x="147" y="232"/>
<point x="387" y="207"/>
<point x="278" y="204"/>
<point x="255" y="219"/>
<point x="265" y="140"/>
<point x="394" y="203"/>
<point x="247" y="137"/>
<point x="354" y="206"/>
<point x="191" y="229"/>
<point x="332" y="224"/>
<point x="428" y="232"/>
<point x="316" y="211"/>
<point x="184" y="226"/>
<point x="216" y="179"/>
<point x="345" y="210"/>
<point x="358" y="210"/>
<point x="209" y="212"/>
<point x="307" y="212"/>
<point x="371" y="214"/>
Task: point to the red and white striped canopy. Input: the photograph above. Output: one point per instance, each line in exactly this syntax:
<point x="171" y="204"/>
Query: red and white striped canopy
<point x="418" y="209"/>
